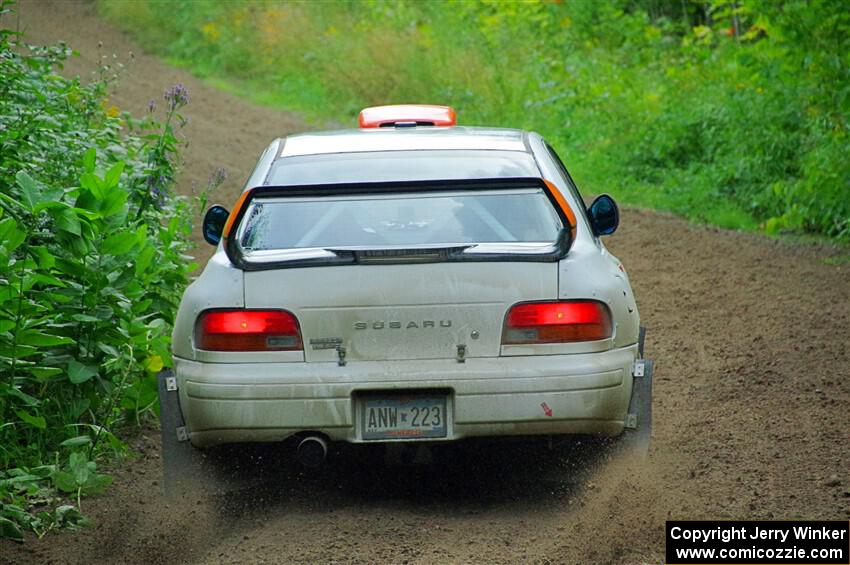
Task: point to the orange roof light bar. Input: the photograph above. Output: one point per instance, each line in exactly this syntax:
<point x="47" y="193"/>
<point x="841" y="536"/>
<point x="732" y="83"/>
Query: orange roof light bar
<point x="418" y="114"/>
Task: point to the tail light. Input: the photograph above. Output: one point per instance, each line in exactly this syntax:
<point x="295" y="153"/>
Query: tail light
<point x="557" y="322"/>
<point x="248" y="330"/>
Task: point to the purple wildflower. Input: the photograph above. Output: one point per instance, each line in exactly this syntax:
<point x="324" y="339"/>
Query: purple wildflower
<point x="156" y="186"/>
<point x="177" y="96"/>
<point x="151" y="106"/>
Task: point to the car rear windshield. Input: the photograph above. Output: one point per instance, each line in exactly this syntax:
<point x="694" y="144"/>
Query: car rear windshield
<point x="376" y="221"/>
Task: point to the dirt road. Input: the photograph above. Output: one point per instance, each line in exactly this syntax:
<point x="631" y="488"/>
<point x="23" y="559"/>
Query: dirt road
<point x="752" y="404"/>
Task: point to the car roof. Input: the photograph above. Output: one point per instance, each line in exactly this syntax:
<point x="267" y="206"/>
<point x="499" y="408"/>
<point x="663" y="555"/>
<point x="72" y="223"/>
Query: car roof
<point x="404" y="139"/>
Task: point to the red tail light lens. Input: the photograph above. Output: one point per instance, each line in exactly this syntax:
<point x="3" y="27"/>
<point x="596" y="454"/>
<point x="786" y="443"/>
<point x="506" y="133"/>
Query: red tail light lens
<point x="557" y="322"/>
<point x="248" y="330"/>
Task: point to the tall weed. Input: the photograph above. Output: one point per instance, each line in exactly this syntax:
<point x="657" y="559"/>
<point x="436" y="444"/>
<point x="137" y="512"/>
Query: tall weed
<point x="93" y="263"/>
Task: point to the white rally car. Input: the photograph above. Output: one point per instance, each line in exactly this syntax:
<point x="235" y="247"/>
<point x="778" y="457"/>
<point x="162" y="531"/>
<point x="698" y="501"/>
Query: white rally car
<point x="408" y="281"/>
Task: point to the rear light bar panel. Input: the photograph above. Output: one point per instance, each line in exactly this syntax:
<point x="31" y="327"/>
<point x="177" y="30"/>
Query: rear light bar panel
<point x="407" y="115"/>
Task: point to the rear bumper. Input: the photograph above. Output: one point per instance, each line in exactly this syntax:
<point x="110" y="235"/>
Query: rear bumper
<point x="544" y="394"/>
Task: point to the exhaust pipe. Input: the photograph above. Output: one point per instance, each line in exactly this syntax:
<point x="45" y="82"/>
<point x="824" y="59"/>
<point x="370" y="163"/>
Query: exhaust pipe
<point x="312" y="451"/>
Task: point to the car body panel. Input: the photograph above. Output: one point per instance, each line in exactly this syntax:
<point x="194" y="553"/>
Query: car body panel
<point x="220" y="285"/>
<point x="410" y="139"/>
<point x="411" y="165"/>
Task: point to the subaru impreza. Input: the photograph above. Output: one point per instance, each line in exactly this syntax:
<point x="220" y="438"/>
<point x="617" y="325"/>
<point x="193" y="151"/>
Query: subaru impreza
<point x="410" y="280"/>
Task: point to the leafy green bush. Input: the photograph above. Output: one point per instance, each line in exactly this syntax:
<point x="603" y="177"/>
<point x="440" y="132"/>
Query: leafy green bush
<point x="729" y="112"/>
<point x="92" y="268"/>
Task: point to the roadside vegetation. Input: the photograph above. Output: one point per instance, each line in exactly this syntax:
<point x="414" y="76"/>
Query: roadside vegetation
<point x="92" y="268"/>
<point x="729" y="112"/>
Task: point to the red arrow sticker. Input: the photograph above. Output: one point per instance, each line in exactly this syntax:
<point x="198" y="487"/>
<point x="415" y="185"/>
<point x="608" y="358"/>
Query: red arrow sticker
<point x="546" y="409"/>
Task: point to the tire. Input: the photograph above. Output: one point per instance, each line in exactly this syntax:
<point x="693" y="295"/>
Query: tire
<point x="185" y="471"/>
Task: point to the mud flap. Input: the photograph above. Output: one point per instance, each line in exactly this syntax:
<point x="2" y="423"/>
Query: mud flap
<point x="182" y="464"/>
<point x="637" y="436"/>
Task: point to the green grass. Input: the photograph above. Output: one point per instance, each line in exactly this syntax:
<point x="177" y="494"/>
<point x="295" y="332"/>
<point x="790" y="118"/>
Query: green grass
<point x="641" y="100"/>
<point x="297" y="95"/>
<point x="837" y="260"/>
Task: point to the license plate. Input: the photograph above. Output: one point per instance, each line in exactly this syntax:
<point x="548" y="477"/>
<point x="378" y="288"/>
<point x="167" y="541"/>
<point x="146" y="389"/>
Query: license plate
<point x="403" y="417"/>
